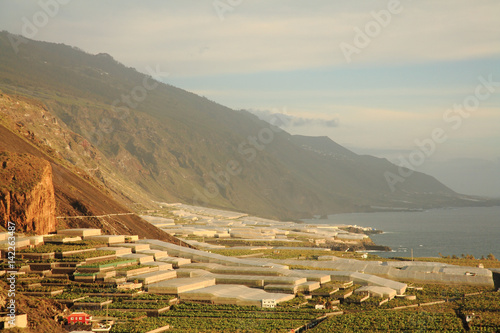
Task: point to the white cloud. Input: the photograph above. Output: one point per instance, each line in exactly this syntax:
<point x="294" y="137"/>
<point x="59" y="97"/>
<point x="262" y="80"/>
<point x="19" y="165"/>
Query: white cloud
<point x="187" y="39"/>
<point x="258" y="36"/>
<point x="284" y="120"/>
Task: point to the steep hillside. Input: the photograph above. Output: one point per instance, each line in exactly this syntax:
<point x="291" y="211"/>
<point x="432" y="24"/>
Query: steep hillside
<point x="175" y="145"/>
<point x="77" y="197"/>
<point x="31" y="119"/>
<point x="27" y="193"/>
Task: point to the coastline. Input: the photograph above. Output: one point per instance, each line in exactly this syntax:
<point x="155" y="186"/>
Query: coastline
<point x="449" y="231"/>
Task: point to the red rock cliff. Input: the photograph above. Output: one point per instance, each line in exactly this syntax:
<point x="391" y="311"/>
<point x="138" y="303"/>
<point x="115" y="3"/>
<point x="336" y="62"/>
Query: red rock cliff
<point x="27" y="193"/>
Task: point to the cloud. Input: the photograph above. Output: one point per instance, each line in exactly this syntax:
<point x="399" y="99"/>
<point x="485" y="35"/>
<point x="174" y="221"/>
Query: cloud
<point x="189" y="37"/>
<point x="287" y="121"/>
<point x="263" y="57"/>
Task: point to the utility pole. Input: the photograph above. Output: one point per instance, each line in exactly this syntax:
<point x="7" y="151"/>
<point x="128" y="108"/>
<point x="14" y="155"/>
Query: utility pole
<point x="411" y="254"/>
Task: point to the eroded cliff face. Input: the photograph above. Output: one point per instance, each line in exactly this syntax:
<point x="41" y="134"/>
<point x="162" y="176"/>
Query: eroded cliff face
<point x="27" y="193"/>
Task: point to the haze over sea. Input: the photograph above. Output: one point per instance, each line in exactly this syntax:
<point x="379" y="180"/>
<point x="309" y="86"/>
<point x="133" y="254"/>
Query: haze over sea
<point x="471" y="230"/>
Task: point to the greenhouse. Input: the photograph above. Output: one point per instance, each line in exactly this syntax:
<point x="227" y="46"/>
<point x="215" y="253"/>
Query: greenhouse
<point x="117" y="250"/>
<point x="174" y="261"/>
<point x="281" y="288"/>
<point x="110" y="239"/>
<point x="191" y="272"/>
<point x="233" y="294"/>
<point x="20" y="243"/>
<point x="176" y="286"/>
<point x="153" y="277"/>
<point x="375" y="291"/>
<point x="308" y="286"/>
<point x="141" y="258"/>
<point x="256" y="280"/>
<point x="201" y="256"/>
<point x="239" y="270"/>
<point x="162" y="266"/>
<point x="82" y="232"/>
<point x="315" y="276"/>
<point x="157" y="254"/>
<point x="401" y="270"/>
<point x="135" y="247"/>
<point x="158" y="221"/>
<point x="204" y="245"/>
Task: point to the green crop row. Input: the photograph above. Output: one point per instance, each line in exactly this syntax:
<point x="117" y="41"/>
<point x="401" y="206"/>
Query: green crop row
<point x="209" y="325"/>
<point x="126" y="305"/>
<point x="391" y="321"/>
<point x="238" y="314"/>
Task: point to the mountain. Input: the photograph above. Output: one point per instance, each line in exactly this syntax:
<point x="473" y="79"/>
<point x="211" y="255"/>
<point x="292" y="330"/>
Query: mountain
<point x="142" y="139"/>
<point x="31" y="177"/>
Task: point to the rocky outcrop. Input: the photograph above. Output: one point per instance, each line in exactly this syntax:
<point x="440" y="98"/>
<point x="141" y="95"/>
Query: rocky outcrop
<point x="27" y="193"/>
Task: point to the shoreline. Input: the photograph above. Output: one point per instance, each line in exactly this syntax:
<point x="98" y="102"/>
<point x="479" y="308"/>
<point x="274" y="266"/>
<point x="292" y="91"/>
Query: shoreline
<point x="450" y="231"/>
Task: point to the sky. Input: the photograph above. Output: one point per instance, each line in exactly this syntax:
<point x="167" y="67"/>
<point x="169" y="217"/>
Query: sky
<point x="379" y="77"/>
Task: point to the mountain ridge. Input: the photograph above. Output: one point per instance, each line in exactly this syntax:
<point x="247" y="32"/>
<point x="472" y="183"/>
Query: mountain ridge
<point x="176" y="146"/>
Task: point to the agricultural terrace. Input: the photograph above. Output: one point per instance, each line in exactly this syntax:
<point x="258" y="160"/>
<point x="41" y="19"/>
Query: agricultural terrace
<point x="455" y="303"/>
<point x="190" y="317"/>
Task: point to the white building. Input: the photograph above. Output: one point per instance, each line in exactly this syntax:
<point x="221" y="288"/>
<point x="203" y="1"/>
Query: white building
<point x="268" y="303"/>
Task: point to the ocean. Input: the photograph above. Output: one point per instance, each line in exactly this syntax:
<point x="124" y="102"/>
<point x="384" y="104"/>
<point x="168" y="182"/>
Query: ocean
<point x="449" y="231"/>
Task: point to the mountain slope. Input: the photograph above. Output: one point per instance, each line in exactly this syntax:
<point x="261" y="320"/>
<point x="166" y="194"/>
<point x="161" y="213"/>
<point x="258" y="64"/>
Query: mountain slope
<point x="77" y="197"/>
<point x="365" y="176"/>
<point x="175" y="145"/>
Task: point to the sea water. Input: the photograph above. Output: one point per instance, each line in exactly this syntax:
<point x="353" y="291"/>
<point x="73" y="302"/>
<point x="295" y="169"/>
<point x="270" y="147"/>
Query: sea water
<point x="449" y="231"/>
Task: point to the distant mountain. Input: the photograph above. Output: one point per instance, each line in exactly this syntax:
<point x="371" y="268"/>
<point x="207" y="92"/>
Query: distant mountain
<point x="145" y="139"/>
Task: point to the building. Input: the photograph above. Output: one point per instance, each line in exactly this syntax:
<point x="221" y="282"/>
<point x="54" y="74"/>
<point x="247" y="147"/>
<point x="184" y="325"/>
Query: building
<point x="268" y="303"/>
<point x="79" y="318"/>
<point x="8" y="321"/>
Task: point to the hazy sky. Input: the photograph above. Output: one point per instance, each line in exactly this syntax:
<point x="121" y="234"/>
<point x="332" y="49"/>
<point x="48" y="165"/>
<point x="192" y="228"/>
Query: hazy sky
<point x="386" y="73"/>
